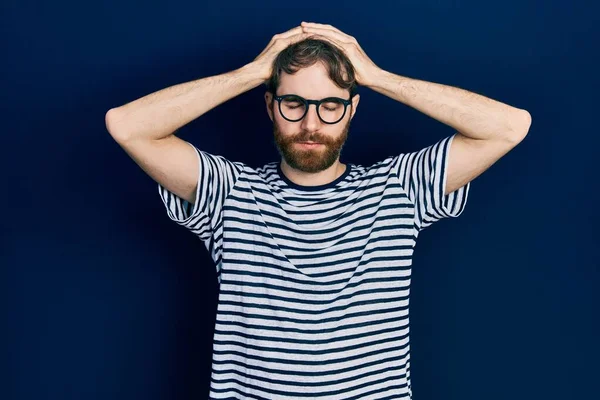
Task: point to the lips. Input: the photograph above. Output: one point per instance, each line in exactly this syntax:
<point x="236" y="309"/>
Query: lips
<point x="309" y="145"/>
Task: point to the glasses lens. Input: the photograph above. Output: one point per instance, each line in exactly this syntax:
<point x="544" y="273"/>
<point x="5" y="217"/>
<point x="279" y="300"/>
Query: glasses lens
<point x="331" y="110"/>
<point x="292" y="107"/>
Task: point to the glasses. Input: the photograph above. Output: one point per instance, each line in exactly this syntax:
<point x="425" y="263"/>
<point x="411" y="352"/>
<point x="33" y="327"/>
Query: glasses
<point x="330" y="110"/>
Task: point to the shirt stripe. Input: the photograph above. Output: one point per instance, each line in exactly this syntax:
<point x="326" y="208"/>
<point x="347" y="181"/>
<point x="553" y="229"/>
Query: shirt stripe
<point x="315" y="281"/>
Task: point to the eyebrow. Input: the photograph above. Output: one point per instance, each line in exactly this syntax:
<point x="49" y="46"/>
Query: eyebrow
<point x="325" y="97"/>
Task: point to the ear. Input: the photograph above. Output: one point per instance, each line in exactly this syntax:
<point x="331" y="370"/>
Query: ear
<point x="269" y="103"/>
<point x="355" y="101"/>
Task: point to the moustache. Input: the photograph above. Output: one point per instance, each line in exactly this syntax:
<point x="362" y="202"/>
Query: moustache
<point x="304" y="137"/>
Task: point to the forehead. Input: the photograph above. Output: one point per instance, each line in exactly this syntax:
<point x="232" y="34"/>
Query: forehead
<point x="312" y="83"/>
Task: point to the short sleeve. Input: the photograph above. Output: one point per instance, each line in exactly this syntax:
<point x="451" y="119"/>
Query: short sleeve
<point x="216" y="178"/>
<point x="423" y="175"/>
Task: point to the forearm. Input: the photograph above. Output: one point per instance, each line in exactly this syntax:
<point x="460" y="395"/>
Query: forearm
<point x="161" y="113"/>
<point x="469" y="113"/>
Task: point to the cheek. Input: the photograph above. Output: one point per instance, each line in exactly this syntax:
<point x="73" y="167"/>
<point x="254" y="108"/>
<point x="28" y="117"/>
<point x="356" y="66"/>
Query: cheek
<point x="284" y="126"/>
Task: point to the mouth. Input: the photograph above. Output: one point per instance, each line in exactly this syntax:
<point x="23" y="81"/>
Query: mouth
<point x="309" y="144"/>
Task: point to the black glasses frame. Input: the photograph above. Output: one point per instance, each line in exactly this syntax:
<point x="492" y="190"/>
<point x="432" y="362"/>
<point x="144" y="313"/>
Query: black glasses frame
<point x="317" y="103"/>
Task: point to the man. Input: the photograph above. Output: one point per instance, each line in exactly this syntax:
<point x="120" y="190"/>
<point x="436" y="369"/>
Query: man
<point x="313" y="256"/>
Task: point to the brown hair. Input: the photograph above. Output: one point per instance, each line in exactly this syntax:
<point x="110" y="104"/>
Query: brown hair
<point x="307" y="52"/>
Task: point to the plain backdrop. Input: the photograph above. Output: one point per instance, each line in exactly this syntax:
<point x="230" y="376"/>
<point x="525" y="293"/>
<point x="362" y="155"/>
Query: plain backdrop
<point x="104" y="297"/>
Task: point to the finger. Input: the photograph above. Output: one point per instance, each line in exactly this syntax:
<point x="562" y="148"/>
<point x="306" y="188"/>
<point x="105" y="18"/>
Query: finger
<point x="295" y="38"/>
<point x="291" y="32"/>
<point x="341" y="37"/>
<point x="305" y="23"/>
<point x="322" y="26"/>
<point x="329" y="39"/>
<point x="301" y="36"/>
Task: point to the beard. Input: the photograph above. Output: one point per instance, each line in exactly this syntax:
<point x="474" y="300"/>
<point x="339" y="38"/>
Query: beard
<point x="310" y="160"/>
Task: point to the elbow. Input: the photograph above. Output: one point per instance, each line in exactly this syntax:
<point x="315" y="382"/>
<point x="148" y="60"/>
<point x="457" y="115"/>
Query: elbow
<point x="525" y="120"/>
<point x="111" y="120"/>
<point x="519" y="127"/>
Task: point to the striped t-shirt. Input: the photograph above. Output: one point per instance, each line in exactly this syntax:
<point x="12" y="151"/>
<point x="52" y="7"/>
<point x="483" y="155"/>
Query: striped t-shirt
<point x="314" y="281"/>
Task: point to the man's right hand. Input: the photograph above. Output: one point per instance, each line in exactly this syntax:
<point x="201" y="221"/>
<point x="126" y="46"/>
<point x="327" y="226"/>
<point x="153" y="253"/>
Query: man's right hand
<point x="145" y="128"/>
<point x="264" y="61"/>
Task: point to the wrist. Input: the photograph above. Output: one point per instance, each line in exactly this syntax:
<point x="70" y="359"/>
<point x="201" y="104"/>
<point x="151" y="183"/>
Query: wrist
<point x="375" y="78"/>
<point x="253" y="73"/>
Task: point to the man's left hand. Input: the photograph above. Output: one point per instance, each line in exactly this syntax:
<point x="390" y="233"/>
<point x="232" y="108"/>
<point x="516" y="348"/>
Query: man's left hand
<point x="364" y="68"/>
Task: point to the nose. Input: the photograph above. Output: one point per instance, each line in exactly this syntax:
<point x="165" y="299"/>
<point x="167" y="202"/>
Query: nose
<point x="311" y="121"/>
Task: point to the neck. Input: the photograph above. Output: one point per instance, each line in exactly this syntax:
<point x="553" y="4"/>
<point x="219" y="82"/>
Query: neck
<point x="313" y="178"/>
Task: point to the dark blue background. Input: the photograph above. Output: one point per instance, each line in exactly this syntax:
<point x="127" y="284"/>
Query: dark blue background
<point x="106" y="298"/>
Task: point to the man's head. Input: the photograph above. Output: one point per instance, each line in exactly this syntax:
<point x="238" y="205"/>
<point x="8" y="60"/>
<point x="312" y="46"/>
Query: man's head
<point x="314" y="70"/>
